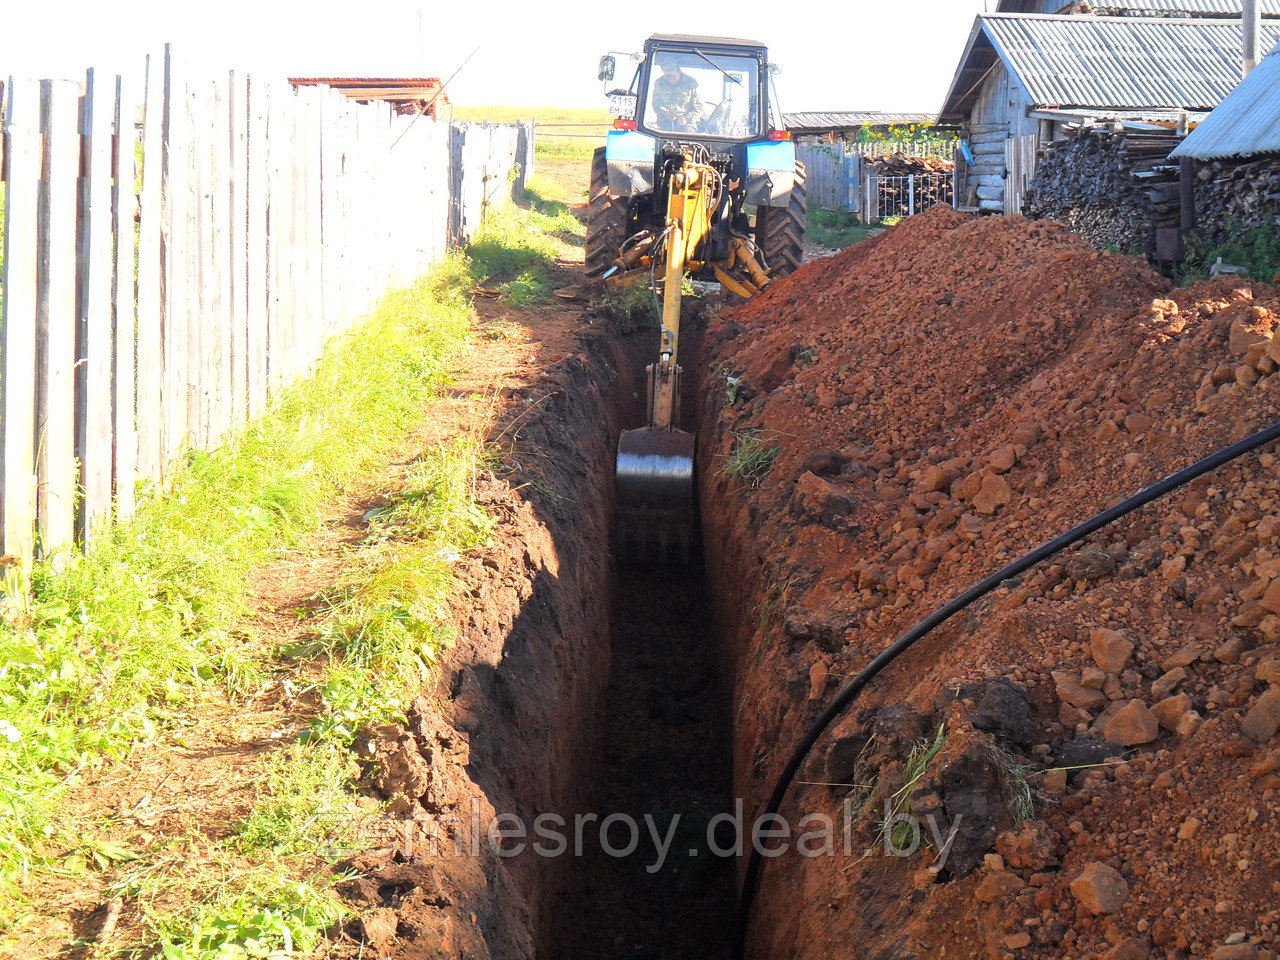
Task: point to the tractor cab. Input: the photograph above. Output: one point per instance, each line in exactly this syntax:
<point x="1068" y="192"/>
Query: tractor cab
<point x="695" y="88"/>
<point x="698" y="91"/>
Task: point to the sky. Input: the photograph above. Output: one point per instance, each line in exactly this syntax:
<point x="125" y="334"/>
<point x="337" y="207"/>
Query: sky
<point x="855" y="55"/>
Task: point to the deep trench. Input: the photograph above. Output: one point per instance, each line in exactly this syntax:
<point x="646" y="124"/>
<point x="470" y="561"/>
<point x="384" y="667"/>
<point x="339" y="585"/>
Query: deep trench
<point x="667" y="760"/>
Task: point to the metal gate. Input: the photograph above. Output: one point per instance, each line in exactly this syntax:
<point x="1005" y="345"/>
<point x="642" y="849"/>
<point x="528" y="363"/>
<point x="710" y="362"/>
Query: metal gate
<point x="905" y="196"/>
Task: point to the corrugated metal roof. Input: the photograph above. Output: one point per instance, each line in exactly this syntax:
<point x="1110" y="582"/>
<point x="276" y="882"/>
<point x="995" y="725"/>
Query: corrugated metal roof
<point x="1143" y="8"/>
<point x="1182" y="8"/>
<point x="1105" y="62"/>
<point x="1245" y="123"/>
<point x="835" y="120"/>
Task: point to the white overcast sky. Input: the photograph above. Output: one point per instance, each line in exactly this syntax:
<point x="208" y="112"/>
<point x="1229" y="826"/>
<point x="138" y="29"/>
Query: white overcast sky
<point x="858" y="54"/>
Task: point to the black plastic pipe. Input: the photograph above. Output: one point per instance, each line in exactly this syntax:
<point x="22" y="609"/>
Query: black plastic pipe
<point x="850" y="691"/>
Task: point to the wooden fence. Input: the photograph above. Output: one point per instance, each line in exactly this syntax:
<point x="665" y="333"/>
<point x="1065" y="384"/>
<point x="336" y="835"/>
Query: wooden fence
<point x="178" y="248"/>
<point x="833" y="176"/>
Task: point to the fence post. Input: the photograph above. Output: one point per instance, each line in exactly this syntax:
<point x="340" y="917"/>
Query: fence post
<point x="18" y="322"/>
<point x="911" y="195"/>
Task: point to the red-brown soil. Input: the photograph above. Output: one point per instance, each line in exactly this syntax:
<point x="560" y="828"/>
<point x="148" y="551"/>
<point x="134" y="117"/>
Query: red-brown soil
<point x="942" y="399"/>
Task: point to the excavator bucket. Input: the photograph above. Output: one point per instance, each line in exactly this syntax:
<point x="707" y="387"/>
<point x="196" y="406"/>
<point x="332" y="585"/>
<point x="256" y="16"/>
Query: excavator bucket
<point x="655" y="493"/>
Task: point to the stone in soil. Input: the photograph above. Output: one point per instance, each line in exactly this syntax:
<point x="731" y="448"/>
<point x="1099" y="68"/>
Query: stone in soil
<point x="1100" y="888"/>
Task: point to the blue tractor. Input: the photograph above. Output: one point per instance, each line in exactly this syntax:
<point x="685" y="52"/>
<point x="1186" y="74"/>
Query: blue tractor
<point x="708" y="96"/>
<point x="698" y="178"/>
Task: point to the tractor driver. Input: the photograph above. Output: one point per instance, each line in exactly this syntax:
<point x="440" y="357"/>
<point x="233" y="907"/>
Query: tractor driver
<point x="676" y="99"/>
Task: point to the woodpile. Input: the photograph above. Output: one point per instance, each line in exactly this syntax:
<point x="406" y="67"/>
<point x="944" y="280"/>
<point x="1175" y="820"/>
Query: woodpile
<point x="902" y="165"/>
<point x="927" y="194"/>
<point x="1115" y="187"/>
<point x="1230" y="192"/>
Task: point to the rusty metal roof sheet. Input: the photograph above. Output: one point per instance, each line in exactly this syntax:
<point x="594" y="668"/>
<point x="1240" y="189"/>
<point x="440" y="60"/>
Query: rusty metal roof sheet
<point x="842" y="119"/>
<point x="1105" y="62"/>
<point x="1245" y="123"/>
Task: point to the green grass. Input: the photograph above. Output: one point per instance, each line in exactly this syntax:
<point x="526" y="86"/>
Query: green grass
<point x="835" y="229"/>
<point x="751" y="457"/>
<point x="1257" y="249"/>
<point x="240" y="913"/>
<point x="901" y="831"/>
<point x="548" y="214"/>
<point x="516" y="250"/>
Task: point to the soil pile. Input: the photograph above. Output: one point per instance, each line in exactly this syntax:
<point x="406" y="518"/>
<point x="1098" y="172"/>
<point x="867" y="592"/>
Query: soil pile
<point x="942" y="399"/>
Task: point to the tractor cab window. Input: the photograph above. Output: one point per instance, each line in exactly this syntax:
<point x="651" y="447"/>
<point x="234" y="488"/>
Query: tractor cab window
<point x="712" y="94"/>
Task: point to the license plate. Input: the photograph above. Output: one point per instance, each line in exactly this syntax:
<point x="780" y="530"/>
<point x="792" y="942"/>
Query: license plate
<point x="622" y="105"/>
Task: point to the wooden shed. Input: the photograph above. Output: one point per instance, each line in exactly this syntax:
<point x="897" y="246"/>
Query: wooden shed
<point x="1023" y="76"/>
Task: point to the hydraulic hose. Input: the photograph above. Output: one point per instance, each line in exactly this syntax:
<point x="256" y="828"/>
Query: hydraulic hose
<point x="850" y="691"/>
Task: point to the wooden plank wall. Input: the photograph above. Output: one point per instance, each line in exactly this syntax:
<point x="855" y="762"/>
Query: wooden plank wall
<point x="1020" y="161"/>
<point x="826" y="181"/>
<point x="834" y="177"/>
<point x="178" y="248"/>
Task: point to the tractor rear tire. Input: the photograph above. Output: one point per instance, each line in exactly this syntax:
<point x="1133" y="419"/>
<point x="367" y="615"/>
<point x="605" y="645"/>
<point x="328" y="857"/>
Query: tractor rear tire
<point x="780" y="230"/>
<point x="606" y="220"/>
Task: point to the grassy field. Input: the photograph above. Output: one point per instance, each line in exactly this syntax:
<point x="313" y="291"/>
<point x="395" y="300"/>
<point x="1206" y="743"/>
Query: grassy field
<point x="552" y="141"/>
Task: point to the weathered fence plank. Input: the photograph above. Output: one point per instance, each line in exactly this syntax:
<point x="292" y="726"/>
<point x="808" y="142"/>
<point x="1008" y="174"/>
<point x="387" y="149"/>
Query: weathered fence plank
<point x="56" y="315"/>
<point x="219" y="323"/>
<point x="149" y="418"/>
<point x="124" y="207"/>
<point x="238" y="265"/>
<point x="18" y="321"/>
<point x="256" y="201"/>
<point x="94" y="281"/>
<point x="177" y="257"/>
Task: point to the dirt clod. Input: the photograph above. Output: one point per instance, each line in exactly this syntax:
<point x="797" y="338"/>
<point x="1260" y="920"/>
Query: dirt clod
<point x="1100" y="888"/>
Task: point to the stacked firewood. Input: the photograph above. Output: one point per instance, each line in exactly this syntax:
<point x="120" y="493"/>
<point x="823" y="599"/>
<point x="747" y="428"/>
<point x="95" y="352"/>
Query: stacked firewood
<point x="1115" y="187"/>
<point x="901" y="165"/>
<point x="1112" y="186"/>
<point x="894" y="195"/>
<point x="1230" y="193"/>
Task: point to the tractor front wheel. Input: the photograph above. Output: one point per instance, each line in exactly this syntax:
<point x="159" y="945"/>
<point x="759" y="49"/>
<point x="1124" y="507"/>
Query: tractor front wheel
<point x="780" y="230"/>
<point x="606" y="220"/>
